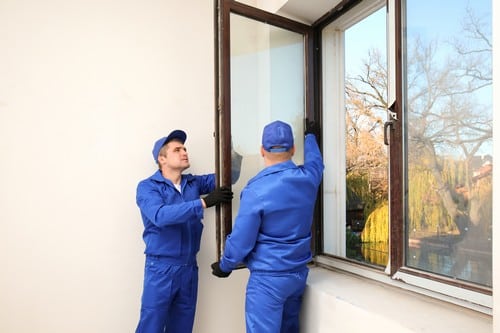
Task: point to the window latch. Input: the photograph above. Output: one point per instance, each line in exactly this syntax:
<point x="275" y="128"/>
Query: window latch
<point x="392" y="113"/>
<point x="390" y="123"/>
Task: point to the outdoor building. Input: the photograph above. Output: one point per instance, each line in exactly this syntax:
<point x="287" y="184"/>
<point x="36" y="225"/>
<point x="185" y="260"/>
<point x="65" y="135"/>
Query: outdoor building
<point x="403" y="92"/>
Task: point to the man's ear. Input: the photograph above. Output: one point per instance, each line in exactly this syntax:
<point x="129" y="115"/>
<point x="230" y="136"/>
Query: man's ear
<point x="161" y="160"/>
<point x="262" y="151"/>
<point x="292" y="150"/>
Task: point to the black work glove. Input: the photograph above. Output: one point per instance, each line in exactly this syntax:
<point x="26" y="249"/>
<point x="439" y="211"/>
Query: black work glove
<point x="221" y="194"/>
<point x="218" y="272"/>
<point x="311" y="128"/>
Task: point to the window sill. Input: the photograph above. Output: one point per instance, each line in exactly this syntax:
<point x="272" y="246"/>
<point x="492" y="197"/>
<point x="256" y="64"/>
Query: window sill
<point x="364" y="304"/>
<point x="441" y="291"/>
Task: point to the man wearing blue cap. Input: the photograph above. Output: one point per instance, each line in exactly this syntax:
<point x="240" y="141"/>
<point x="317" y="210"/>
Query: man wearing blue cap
<point x="272" y="231"/>
<point x="171" y="210"/>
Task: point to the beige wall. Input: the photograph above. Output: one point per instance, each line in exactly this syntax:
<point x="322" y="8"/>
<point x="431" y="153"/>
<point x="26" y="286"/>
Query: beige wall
<point x="85" y="89"/>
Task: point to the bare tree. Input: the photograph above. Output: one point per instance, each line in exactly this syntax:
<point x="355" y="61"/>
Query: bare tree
<point x="446" y="110"/>
<point x="366" y="106"/>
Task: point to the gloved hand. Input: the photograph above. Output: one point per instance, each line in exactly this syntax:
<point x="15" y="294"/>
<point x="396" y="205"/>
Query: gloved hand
<point x="311" y="128"/>
<point x="221" y="194"/>
<point x="218" y="272"/>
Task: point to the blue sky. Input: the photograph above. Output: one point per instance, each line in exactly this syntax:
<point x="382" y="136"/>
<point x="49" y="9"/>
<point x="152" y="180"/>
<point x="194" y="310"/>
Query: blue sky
<point x="368" y="34"/>
<point x="427" y="18"/>
<point x="430" y="20"/>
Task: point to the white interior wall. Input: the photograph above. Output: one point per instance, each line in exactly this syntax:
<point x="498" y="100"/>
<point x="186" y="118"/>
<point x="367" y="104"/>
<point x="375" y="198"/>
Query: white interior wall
<point x="86" y="87"/>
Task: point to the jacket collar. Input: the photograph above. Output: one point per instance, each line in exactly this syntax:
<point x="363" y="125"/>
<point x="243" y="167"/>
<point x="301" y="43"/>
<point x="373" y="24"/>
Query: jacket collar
<point x="157" y="176"/>
<point x="273" y="169"/>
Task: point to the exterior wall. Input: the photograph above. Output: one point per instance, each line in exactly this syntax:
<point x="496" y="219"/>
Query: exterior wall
<point x="341" y="302"/>
<point x="86" y="87"/>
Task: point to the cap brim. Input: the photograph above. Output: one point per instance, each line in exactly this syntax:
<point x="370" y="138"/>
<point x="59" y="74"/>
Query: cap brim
<point x="176" y="134"/>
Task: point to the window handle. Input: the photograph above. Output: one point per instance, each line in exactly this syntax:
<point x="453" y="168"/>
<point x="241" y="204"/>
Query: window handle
<point x="387" y="124"/>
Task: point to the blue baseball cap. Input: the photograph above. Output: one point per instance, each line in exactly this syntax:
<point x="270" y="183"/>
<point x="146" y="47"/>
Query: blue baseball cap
<point x="277" y="137"/>
<point x="176" y="134"/>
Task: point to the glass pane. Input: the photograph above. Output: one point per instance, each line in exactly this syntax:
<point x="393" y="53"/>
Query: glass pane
<point x="354" y="100"/>
<point x="367" y="218"/>
<point x="449" y="138"/>
<point x="267" y="84"/>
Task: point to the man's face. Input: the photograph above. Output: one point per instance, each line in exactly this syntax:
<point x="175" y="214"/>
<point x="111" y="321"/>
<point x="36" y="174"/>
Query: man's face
<point x="174" y="156"/>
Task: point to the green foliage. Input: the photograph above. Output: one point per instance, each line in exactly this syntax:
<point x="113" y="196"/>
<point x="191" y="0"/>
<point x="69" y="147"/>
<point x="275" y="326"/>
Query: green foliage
<point x="358" y="189"/>
<point x="424" y="202"/>
<point x="376" y="253"/>
<point x="377" y="225"/>
<point x="375" y="208"/>
<point x="353" y="245"/>
<point x="426" y="211"/>
<point x="483" y="192"/>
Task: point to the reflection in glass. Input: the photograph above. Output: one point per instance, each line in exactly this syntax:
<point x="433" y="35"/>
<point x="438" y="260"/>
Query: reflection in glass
<point x="267" y="83"/>
<point x="449" y="139"/>
<point x="365" y="92"/>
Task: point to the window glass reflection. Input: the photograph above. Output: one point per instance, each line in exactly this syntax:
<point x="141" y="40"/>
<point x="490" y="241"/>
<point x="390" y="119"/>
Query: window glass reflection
<point x="267" y="83"/>
<point x="367" y="209"/>
<point x="449" y="138"/>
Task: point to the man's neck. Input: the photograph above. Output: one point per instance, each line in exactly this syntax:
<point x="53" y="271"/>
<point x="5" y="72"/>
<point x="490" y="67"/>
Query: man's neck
<point x="174" y="176"/>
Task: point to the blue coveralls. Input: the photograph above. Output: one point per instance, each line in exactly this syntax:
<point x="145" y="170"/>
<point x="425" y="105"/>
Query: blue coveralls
<point x="271" y="235"/>
<point x="172" y="234"/>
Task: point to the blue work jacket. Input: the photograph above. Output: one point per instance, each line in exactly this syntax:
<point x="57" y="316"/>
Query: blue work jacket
<point x="272" y="230"/>
<point x="172" y="220"/>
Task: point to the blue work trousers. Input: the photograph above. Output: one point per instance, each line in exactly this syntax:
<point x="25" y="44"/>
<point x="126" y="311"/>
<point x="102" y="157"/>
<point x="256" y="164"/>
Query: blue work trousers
<point x="169" y="297"/>
<point x="273" y="301"/>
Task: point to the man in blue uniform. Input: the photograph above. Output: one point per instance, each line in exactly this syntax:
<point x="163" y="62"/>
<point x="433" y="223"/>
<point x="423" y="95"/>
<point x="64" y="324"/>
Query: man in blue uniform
<point x="171" y="210"/>
<point x="272" y="231"/>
